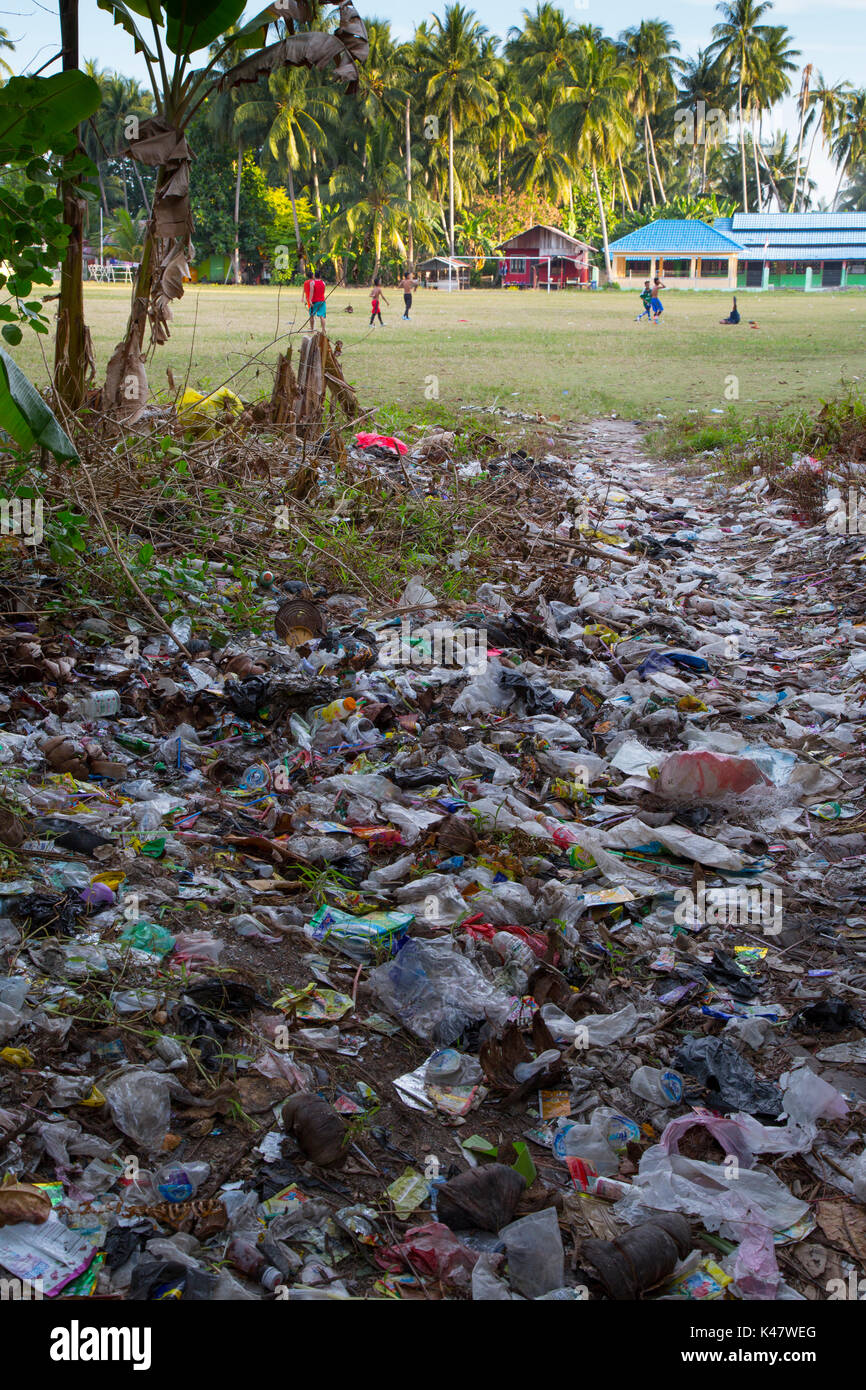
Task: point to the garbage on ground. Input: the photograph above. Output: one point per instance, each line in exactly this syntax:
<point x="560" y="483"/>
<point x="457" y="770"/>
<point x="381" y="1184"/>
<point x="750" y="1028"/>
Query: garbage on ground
<point x="336" y="964"/>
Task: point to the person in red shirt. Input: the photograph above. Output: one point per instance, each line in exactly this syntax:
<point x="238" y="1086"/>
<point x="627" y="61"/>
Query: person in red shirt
<point x="314" y="297"/>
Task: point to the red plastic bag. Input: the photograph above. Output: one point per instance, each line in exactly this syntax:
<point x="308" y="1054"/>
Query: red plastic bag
<point x="385" y="441"/>
<point x="431" y="1250"/>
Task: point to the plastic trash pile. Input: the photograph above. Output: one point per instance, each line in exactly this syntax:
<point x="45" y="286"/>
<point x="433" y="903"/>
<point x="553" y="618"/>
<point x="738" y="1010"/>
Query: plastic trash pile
<point x="503" y="951"/>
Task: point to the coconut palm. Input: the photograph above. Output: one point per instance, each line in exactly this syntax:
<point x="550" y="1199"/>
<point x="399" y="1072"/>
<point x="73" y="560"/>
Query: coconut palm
<point x="593" y="123"/>
<point x="649" y="51"/>
<point x="126" y="237"/>
<point x="803" y="106"/>
<point x="451" y="53"/>
<point x="826" y="105"/>
<point x="773" y="60"/>
<point x="849" y="147"/>
<point x="703" y="88"/>
<point x="5" y="42"/>
<point x="738" y="41"/>
<point x="295" y="107"/>
<point x="542" y="50"/>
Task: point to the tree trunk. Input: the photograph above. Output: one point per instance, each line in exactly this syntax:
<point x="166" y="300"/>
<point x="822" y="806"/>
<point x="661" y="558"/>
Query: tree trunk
<point x="70" y="342"/>
<point x="770" y="177"/>
<point x="649" y="172"/>
<point x="804" y="101"/>
<point x="759" y="193"/>
<point x="704" y="168"/>
<point x="410" y="250"/>
<point x="377" y="238"/>
<point x="123" y="185"/>
<point x="295" y="212"/>
<point x="499" y="170"/>
<point x="804" y="191"/>
<point x="317" y="198"/>
<point x="652" y="143"/>
<point x="145" y="202"/>
<point x="236" y="257"/>
<point x="451" y="178"/>
<point x="743" y="145"/>
<point x="626" y="193"/>
<point x="842" y="172"/>
<point x="607" y="265"/>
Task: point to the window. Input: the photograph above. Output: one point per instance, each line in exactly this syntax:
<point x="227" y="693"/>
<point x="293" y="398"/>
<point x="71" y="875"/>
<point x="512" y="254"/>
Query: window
<point x="639" y="269"/>
<point x="681" y="267"/>
<point x="857" y="268"/>
<point x="517" y="265"/>
<point x="710" y="267"/>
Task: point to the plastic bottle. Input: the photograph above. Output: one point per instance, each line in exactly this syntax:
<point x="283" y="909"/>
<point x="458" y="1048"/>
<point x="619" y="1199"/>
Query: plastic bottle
<point x="587" y="1142"/>
<point x="102" y="704"/>
<point x="660" y="1087"/>
<point x="337" y="709"/>
<point x="245" y="1255"/>
<point x="512" y="951"/>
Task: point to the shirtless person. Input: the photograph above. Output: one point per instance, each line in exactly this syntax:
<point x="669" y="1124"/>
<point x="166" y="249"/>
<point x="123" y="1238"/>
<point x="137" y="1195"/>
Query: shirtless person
<point x="376" y="295"/>
<point x="407" y="285"/>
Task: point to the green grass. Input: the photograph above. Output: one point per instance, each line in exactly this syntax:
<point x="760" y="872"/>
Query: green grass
<point x="572" y="354"/>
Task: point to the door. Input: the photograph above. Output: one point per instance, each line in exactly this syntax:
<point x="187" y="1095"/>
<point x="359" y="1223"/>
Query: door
<point x="754" y="274"/>
<point x="832" y="275"/>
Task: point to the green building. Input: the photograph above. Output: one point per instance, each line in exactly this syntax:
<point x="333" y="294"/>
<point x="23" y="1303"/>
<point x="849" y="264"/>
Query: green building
<point x="806" y="251"/>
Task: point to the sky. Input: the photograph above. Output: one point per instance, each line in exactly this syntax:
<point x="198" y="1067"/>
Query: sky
<point x="831" y="34"/>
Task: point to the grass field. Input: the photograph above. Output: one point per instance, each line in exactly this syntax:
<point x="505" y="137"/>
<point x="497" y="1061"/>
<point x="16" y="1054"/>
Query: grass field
<point x="573" y="354"/>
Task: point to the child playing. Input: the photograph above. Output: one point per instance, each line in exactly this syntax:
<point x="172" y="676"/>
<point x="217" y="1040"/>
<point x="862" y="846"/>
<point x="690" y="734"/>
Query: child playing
<point x="314" y="297"/>
<point x="408" y="285"/>
<point x="646" y="300"/>
<point x="734" y="316"/>
<point x="375" y="295"/>
<point x="655" y="304"/>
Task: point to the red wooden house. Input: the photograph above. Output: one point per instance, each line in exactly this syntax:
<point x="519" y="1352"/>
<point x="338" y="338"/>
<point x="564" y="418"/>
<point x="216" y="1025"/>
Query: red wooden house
<point x="544" y="255"/>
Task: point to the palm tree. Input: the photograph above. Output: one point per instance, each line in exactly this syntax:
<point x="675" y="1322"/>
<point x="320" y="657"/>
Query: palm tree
<point x="702" y="88"/>
<point x="648" y="50"/>
<point x="593" y="120"/>
<point x="849" y="147"/>
<point x="5" y="42"/>
<point x="221" y="113"/>
<point x="451" y="53"/>
<point x="738" y="40"/>
<point x="539" y="165"/>
<point x="826" y="105"/>
<point x="772" y="64"/>
<point x="543" y="49"/>
<point x="295" y="108"/>
<point x="803" y="104"/>
<point x="373" y="195"/>
<point x="126" y="237"/>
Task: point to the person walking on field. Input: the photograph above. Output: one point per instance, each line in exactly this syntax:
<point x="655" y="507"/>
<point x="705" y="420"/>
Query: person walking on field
<point x="408" y="284"/>
<point x="646" y="299"/>
<point x="314" y="297"/>
<point x="376" y="295"/>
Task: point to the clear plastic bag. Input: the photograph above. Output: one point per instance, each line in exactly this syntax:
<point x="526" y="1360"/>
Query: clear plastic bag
<point x="436" y="992"/>
<point x="140" y="1105"/>
<point x="536" y="1260"/>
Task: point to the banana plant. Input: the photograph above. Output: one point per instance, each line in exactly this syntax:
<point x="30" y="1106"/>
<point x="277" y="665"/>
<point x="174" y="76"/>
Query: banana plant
<point x="168" y="34"/>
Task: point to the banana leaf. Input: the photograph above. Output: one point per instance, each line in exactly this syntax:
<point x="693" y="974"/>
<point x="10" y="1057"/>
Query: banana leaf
<point x="26" y="418"/>
<point x="36" y="110"/>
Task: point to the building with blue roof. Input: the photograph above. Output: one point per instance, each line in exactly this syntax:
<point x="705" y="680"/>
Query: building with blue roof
<point x="814" y="250"/>
<point x="685" y="253"/>
<point x="747" y="251"/>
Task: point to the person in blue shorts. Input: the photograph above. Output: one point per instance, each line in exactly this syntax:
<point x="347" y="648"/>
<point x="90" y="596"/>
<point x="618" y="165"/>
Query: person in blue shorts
<point x="655" y="304"/>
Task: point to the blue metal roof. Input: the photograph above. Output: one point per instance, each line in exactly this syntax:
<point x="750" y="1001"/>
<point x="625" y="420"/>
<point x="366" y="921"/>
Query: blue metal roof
<point x="670" y="236"/>
<point x="844" y="238"/>
<point x="793" y="222"/>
